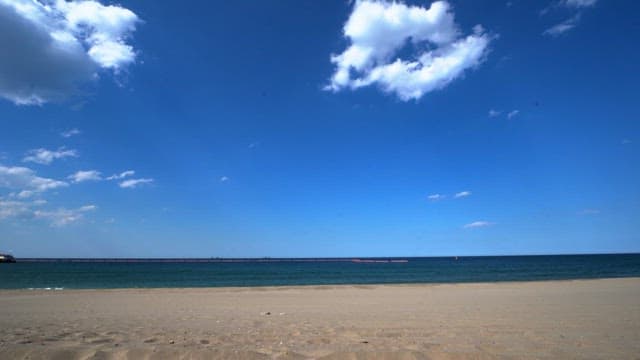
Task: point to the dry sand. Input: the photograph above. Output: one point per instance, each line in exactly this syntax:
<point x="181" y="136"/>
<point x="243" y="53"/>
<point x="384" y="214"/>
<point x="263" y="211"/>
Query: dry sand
<point x="554" y="320"/>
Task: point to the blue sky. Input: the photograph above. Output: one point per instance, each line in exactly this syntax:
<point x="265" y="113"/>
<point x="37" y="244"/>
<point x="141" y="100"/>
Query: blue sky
<point x="318" y="128"/>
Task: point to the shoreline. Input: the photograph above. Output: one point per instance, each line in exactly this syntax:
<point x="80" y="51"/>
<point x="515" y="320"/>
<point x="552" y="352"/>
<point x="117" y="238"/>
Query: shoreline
<point x="593" y="318"/>
<point x="315" y="286"/>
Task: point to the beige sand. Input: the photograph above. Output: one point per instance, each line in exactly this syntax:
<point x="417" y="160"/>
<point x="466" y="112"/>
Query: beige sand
<point x="554" y="320"/>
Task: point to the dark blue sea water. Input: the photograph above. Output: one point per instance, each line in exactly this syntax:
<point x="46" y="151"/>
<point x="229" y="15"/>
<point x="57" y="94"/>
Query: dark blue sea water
<point x="209" y="273"/>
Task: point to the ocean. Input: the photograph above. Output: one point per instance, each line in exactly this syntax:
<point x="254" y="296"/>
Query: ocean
<point x="59" y="274"/>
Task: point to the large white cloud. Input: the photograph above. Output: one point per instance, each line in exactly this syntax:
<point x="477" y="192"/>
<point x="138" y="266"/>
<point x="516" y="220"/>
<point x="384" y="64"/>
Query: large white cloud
<point x="378" y="31"/>
<point x="51" y="49"/>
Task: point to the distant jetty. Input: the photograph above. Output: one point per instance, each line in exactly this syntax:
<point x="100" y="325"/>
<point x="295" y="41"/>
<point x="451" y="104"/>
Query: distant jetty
<point x="6" y="258"/>
<point x="379" y="260"/>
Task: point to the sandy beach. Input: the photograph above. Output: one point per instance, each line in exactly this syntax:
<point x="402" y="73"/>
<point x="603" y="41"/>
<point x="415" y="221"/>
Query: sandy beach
<point x="551" y="320"/>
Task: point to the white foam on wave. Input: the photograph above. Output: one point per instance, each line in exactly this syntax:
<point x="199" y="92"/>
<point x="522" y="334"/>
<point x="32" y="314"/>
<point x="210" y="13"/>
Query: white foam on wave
<point x="47" y="288"/>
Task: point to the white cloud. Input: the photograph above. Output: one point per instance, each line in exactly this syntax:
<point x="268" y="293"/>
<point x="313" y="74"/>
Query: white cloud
<point x="62" y="217"/>
<point x="494" y="113"/>
<point x="224" y="179"/>
<point x="575" y="7"/>
<point x="133" y="183"/>
<point x="69" y="133"/>
<point x="25" y="180"/>
<point x="563" y="27"/>
<point x="24" y="194"/>
<point x="52" y="48"/>
<point x="512" y="114"/>
<point x="46" y="157"/>
<point x="26" y="210"/>
<point x="88" y="175"/>
<point x="122" y="175"/>
<point x="435" y="197"/>
<point x="477" y="224"/>
<point x="579" y="3"/>
<point x="15" y="209"/>
<point x="379" y="30"/>
<point x="462" y="194"/>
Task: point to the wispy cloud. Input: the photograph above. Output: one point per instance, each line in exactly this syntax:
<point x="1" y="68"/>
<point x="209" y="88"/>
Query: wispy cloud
<point x="121" y="175"/>
<point x="563" y="27"/>
<point x="626" y="141"/>
<point x="61" y="46"/>
<point x="28" y="210"/>
<point x="579" y="3"/>
<point x="575" y="7"/>
<point x="16" y="209"/>
<point x="436" y="197"/>
<point x="63" y="217"/>
<point x="513" y="114"/>
<point x="69" y="133"/>
<point x="87" y="175"/>
<point x="224" y="179"/>
<point x="477" y="224"/>
<point x="46" y="157"/>
<point x="133" y="183"/>
<point x="378" y="30"/>
<point x="462" y="194"/>
<point x="494" y="113"/>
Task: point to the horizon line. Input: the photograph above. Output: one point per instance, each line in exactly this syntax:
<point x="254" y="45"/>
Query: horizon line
<point x="319" y="259"/>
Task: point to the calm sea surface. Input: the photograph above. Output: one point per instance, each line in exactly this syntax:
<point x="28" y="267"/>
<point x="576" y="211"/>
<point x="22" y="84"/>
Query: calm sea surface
<point x="268" y="272"/>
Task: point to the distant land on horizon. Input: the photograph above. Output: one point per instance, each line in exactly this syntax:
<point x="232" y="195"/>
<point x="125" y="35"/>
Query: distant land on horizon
<point x="363" y="259"/>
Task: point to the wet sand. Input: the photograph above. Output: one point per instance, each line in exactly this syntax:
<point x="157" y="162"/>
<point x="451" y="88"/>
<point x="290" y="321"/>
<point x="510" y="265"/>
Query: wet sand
<point x="583" y="319"/>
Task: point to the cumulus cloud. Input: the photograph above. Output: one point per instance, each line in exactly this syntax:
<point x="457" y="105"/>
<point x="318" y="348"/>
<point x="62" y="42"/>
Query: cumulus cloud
<point x="121" y="175"/>
<point x="462" y="194"/>
<point x="477" y="224"/>
<point x="85" y="175"/>
<point x="436" y="197"/>
<point x="46" y="157"/>
<point x="51" y="49"/>
<point x="69" y="133"/>
<point x="513" y="114"/>
<point x="133" y="183"/>
<point x="224" y="179"/>
<point x="379" y="30"/>
<point x="26" y="181"/>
